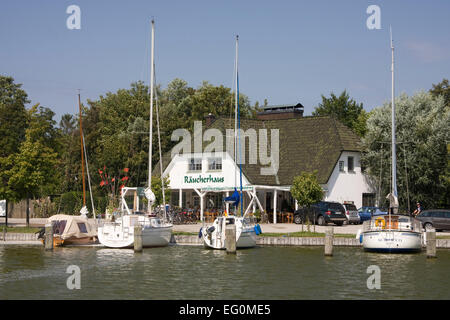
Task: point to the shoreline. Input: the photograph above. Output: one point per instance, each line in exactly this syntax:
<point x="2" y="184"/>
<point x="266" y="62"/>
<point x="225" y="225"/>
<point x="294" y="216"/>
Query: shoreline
<point x="194" y="240"/>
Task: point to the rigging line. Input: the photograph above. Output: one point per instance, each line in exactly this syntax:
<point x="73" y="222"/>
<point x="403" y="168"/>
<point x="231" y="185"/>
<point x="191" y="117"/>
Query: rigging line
<point x="159" y="146"/>
<point x="232" y="88"/>
<point x="145" y="59"/>
<point x="89" y="179"/>
<point x="406" y="177"/>
<point x="381" y="177"/>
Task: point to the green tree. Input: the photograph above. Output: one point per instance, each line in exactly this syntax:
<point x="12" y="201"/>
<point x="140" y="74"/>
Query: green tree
<point x="442" y="89"/>
<point x="33" y="172"/>
<point x="13" y="122"/>
<point x="306" y="190"/>
<point x="345" y="110"/>
<point x="157" y="190"/>
<point x="13" y="116"/>
<point x="422" y="132"/>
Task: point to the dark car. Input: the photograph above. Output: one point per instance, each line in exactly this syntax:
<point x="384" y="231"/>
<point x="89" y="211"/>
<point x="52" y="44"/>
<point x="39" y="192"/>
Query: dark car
<point x="322" y="213"/>
<point x="438" y="219"/>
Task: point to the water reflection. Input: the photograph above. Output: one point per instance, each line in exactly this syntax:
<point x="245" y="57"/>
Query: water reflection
<point x="191" y="272"/>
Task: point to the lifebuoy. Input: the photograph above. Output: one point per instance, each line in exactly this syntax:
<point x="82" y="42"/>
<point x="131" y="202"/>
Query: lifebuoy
<point x="380" y="223"/>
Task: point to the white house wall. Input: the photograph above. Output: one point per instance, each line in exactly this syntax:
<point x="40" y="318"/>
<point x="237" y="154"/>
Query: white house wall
<point x="178" y="172"/>
<point x="348" y="186"/>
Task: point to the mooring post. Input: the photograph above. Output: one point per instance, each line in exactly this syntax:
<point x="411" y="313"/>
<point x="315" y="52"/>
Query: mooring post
<point x="329" y="241"/>
<point x="48" y="239"/>
<point x="230" y="238"/>
<point x="137" y="238"/>
<point x="431" y="244"/>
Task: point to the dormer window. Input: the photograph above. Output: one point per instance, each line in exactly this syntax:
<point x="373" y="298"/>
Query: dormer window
<point x="215" y="164"/>
<point x="351" y="164"/>
<point x="341" y="166"/>
<point x="195" y="164"/>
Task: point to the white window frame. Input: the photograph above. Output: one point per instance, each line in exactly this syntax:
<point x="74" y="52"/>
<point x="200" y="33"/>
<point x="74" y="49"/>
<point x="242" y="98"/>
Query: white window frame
<point x="215" y="164"/>
<point x="195" y="164"/>
<point x="341" y="166"/>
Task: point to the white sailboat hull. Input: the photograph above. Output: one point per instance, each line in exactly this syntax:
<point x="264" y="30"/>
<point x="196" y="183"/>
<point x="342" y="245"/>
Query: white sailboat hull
<point x="392" y="241"/>
<point x="245" y="235"/>
<point x="392" y="234"/>
<point x="121" y="234"/>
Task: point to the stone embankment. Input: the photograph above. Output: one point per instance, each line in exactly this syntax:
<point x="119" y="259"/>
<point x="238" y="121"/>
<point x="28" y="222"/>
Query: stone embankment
<point x="293" y="241"/>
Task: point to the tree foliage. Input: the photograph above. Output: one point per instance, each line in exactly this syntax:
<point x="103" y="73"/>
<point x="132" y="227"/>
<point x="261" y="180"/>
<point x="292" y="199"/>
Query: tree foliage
<point x="306" y="189"/>
<point x="442" y="89"/>
<point x="345" y="110"/>
<point x="422" y="132"/>
<point x="32" y="169"/>
<point x="13" y="115"/>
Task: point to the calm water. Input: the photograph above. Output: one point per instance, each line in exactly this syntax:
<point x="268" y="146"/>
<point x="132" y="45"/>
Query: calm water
<point x="190" y="272"/>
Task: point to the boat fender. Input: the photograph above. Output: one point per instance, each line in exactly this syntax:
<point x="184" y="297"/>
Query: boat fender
<point x="259" y="229"/>
<point x="256" y="229"/>
<point x="200" y="233"/>
<point x="359" y="236"/>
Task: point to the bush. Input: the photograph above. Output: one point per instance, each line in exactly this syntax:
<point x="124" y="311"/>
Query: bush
<point x="72" y="202"/>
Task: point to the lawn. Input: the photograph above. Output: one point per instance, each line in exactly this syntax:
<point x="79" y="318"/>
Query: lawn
<point x="20" y="229"/>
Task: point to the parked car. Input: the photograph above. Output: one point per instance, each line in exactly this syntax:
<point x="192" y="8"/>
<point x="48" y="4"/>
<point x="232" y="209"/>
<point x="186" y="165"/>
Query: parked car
<point x="365" y="213"/>
<point x="351" y="213"/>
<point x="438" y="219"/>
<point x="322" y="213"/>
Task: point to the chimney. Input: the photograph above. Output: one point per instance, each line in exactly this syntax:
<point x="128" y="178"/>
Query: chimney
<point x="280" y="112"/>
<point x="210" y="118"/>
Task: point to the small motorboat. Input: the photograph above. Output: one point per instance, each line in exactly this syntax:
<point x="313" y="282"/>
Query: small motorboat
<point x="70" y="230"/>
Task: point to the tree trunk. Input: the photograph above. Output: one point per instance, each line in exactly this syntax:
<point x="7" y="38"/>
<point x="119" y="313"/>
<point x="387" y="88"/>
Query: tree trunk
<point x="28" y="211"/>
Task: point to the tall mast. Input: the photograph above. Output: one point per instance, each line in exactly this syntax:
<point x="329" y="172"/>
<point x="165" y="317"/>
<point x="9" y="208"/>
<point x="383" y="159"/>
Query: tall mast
<point x="394" y="155"/>
<point x="239" y="126"/>
<point x="151" y="108"/>
<point x="236" y="94"/>
<point x="82" y="151"/>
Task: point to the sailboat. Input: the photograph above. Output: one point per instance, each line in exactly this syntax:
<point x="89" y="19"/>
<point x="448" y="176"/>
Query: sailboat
<point x="156" y="231"/>
<point x="246" y="231"/>
<point x="72" y="229"/>
<point x="393" y="232"/>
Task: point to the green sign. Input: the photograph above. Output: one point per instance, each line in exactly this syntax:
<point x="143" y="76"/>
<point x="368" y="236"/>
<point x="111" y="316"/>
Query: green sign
<point x="202" y="179"/>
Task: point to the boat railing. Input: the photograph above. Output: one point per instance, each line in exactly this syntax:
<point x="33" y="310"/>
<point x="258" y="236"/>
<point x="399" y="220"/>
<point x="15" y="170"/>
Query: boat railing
<point x="385" y="223"/>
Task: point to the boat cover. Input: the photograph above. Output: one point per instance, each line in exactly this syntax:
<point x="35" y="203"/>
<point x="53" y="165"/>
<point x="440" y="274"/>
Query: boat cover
<point x="67" y="226"/>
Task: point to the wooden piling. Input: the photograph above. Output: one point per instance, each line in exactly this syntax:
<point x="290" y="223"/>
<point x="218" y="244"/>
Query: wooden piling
<point x="48" y="240"/>
<point x="138" y="238"/>
<point x="329" y="242"/>
<point x="431" y="244"/>
<point x="230" y="238"/>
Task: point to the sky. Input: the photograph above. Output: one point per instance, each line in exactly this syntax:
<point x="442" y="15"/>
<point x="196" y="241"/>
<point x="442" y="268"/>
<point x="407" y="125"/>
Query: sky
<point x="289" y="51"/>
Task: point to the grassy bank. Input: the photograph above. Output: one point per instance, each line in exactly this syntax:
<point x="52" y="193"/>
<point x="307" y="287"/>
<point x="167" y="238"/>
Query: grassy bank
<point x="20" y="229"/>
